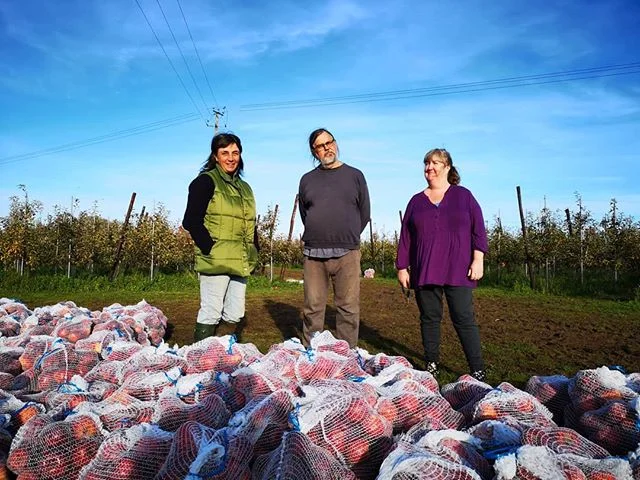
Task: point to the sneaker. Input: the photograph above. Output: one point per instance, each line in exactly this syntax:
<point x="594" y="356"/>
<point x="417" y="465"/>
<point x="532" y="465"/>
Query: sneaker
<point x="432" y="368"/>
<point x="480" y="375"/>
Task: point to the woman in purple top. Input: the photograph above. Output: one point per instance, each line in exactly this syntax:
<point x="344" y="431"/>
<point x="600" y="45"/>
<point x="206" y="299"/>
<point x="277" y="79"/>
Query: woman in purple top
<point x="441" y="251"/>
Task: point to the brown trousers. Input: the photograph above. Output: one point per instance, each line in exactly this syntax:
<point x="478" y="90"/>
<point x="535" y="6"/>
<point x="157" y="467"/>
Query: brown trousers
<point x="344" y="274"/>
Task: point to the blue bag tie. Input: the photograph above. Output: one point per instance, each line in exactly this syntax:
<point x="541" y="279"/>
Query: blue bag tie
<point x="294" y="418"/>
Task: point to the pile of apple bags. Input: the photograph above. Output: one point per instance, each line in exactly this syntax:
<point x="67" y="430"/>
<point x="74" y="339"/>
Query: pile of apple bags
<point x="79" y="400"/>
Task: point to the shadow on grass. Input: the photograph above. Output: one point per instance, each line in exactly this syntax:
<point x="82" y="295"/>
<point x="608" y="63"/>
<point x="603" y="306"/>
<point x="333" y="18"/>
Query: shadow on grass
<point x="373" y="337"/>
<point x="287" y="318"/>
<point x="388" y="345"/>
<point x="169" y="331"/>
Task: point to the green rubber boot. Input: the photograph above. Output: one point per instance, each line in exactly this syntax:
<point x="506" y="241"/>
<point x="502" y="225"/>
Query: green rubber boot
<point x="203" y="331"/>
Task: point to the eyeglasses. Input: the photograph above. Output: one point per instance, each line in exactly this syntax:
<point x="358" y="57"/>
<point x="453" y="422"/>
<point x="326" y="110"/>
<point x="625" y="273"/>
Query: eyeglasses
<point x="324" y="146"/>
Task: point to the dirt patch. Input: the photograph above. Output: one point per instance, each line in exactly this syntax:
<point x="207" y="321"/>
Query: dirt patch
<point x="521" y="336"/>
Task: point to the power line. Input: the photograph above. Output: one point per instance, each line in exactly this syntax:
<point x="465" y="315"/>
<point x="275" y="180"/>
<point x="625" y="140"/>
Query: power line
<point x="117" y="135"/>
<point x="169" y="60"/>
<point x="215" y="102"/>
<point x="458" y="85"/>
<point x="181" y="54"/>
<point x="450" y="89"/>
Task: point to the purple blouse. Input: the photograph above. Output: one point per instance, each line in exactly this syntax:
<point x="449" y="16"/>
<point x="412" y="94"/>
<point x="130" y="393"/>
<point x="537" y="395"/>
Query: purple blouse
<point x="437" y="242"/>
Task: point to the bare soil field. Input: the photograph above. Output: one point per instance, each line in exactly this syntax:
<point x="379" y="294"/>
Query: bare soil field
<point x="521" y="335"/>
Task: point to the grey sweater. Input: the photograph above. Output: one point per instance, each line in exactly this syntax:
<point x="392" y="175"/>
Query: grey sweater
<point x="334" y="207"/>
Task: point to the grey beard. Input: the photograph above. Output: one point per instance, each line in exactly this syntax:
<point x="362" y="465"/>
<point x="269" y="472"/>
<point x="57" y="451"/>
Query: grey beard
<point x="326" y="162"/>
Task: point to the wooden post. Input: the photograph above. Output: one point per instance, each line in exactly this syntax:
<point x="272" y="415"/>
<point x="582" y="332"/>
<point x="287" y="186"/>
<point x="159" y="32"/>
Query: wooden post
<point x="405" y="293"/>
<point x="116" y="262"/>
<point x="258" y="227"/>
<point x="291" y="224"/>
<point x="271" y="228"/>
<point x="524" y="239"/>
<point x="546" y="274"/>
<point x="615" y="244"/>
<point x="499" y="248"/>
<point x="382" y="242"/>
<point x="371" y="237"/>
<point x="581" y="231"/>
<point x="566" y="212"/>
<point x="141" y="218"/>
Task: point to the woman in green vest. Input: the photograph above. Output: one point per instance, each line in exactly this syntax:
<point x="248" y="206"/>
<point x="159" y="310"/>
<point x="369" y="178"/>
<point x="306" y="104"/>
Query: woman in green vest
<point x="221" y="218"/>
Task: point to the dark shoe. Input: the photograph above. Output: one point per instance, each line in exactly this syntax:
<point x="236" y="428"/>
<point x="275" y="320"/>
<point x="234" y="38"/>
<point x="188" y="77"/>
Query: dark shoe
<point x="432" y="368"/>
<point x="204" y="330"/>
<point x="480" y="375"/>
<point x="232" y="328"/>
<point x="226" y="328"/>
<point x="240" y="328"/>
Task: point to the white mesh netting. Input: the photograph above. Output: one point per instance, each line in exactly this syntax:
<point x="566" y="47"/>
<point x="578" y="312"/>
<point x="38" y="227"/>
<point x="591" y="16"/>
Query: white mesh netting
<point x="298" y="458"/>
<point x="136" y="453"/>
<point x="98" y="395"/>
<point x="56" y="449"/>
<point x="410" y="462"/>
<point x="202" y="452"/>
<point x="507" y="402"/>
<point x="347" y="426"/>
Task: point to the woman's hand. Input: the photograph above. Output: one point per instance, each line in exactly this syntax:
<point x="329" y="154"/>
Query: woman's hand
<point x="403" y="278"/>
<point x="476" y="269"/>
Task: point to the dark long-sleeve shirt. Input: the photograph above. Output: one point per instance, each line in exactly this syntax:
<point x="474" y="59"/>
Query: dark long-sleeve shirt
<point x="201" y="191"/>
<point x="437" y="242"/>
<point x="334" y="207"/>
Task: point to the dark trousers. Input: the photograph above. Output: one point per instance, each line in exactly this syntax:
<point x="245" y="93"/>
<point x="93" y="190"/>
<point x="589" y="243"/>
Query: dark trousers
<point x="344" y="274"/>
<point x="460" y="302"/>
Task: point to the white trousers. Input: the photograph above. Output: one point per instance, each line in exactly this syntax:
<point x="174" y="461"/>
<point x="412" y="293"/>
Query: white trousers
<point x="222" y="297"/>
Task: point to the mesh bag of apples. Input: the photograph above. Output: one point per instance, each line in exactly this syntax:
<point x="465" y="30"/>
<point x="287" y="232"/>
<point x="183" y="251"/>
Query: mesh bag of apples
<point x="98" y="395"/>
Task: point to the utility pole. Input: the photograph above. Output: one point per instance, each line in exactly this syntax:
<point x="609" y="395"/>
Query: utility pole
<point x="217" y="114"/>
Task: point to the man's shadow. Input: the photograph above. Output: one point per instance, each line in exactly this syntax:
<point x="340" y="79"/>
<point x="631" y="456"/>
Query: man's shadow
<point x="372" y="336"/>
<point x="288" y="319"/>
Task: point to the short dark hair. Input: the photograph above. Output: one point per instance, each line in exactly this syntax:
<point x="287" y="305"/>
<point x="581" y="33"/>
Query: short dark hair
<point x="312" y="139"/>
<point x="453" y="177"/>
<point x="223" y="140"/>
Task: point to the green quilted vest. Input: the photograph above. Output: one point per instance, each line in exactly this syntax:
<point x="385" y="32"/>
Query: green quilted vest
<point x="230" y="220"/>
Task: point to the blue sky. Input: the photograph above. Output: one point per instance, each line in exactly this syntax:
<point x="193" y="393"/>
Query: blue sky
<point x="77" y="70"/>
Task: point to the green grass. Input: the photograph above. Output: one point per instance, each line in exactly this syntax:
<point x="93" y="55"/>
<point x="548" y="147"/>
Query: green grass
<point x="12" y="285"/>
<point x="564" y="302"/>
<point x="135" y="286"/>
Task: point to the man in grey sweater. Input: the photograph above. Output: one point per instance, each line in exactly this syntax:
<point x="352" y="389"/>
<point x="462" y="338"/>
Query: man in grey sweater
<point x="335" y="209"/>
